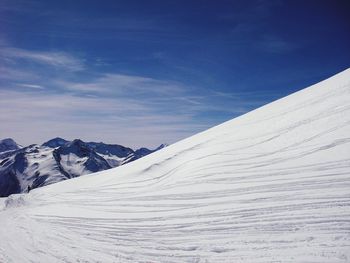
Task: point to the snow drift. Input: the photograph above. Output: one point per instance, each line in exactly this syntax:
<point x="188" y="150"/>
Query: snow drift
<point x="270" y="186"/>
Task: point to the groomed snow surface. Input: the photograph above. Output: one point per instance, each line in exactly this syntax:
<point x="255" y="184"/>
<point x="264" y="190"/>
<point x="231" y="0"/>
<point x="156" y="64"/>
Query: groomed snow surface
<point x="270" y="186"/>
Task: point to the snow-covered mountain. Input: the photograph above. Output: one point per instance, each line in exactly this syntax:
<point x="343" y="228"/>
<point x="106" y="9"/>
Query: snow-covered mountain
<point x="22" y="169"/>
<point x="270" y="186"/>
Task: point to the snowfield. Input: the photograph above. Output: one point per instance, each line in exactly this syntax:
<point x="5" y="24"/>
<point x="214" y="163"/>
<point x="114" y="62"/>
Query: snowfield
<point x="270" y="186"/>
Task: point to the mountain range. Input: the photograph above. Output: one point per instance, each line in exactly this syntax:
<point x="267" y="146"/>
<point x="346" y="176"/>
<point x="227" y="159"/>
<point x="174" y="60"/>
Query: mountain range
<point x="26" y="168"/>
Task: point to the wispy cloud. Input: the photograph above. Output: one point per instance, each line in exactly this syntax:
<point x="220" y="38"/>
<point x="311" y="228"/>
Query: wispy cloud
<point x="39" y="116"/>
<point x="14" y="73"/>
<point x="52" y="58"/>
<point x="58" y="94"/>
<point x="31" y="86"/>
<point x="118" y="84"/>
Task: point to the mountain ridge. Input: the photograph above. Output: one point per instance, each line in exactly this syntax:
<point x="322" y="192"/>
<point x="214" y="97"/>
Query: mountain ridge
<point x="26" y="168"/>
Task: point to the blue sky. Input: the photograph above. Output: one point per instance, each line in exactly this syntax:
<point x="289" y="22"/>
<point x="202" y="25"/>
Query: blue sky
<point x="141" y="73"/>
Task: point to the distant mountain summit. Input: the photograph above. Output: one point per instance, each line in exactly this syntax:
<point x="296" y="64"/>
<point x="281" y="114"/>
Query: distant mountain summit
<point x="56" y="142"/>
<point x="8" y="145"/>
<point x="23" y="169"/>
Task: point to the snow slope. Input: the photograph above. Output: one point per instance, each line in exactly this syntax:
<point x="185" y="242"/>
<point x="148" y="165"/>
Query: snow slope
<point x="270" y="186"/>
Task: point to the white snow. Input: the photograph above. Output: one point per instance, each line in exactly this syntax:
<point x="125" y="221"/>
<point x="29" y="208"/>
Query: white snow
<point x="42" y="160"/>
<point x="113" y="160"/>
<point x="72" y="164"/>
<point x="46" y="163"/>
<point x="270" y="186"/>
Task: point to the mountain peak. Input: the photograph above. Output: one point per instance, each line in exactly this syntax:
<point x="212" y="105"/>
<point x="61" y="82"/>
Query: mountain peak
<point x="163" y="145"/>
<point x="8" y="144"/>
<point x="77" y="142"/>
<point x="55" y="142"/>
<point x="76" y="146"/>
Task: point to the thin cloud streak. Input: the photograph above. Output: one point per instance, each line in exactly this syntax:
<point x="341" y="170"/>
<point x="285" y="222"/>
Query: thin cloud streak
<point x="31" y="86"/>
<point x="51" y="58"/>
<point x="119" y="83"/>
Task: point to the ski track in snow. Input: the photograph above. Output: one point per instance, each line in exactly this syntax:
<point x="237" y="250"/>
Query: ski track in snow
<point x="270" y="186"/>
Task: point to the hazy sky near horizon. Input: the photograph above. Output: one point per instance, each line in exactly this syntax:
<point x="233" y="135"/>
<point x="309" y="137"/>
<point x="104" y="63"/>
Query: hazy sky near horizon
<point x="142" y="73"/>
